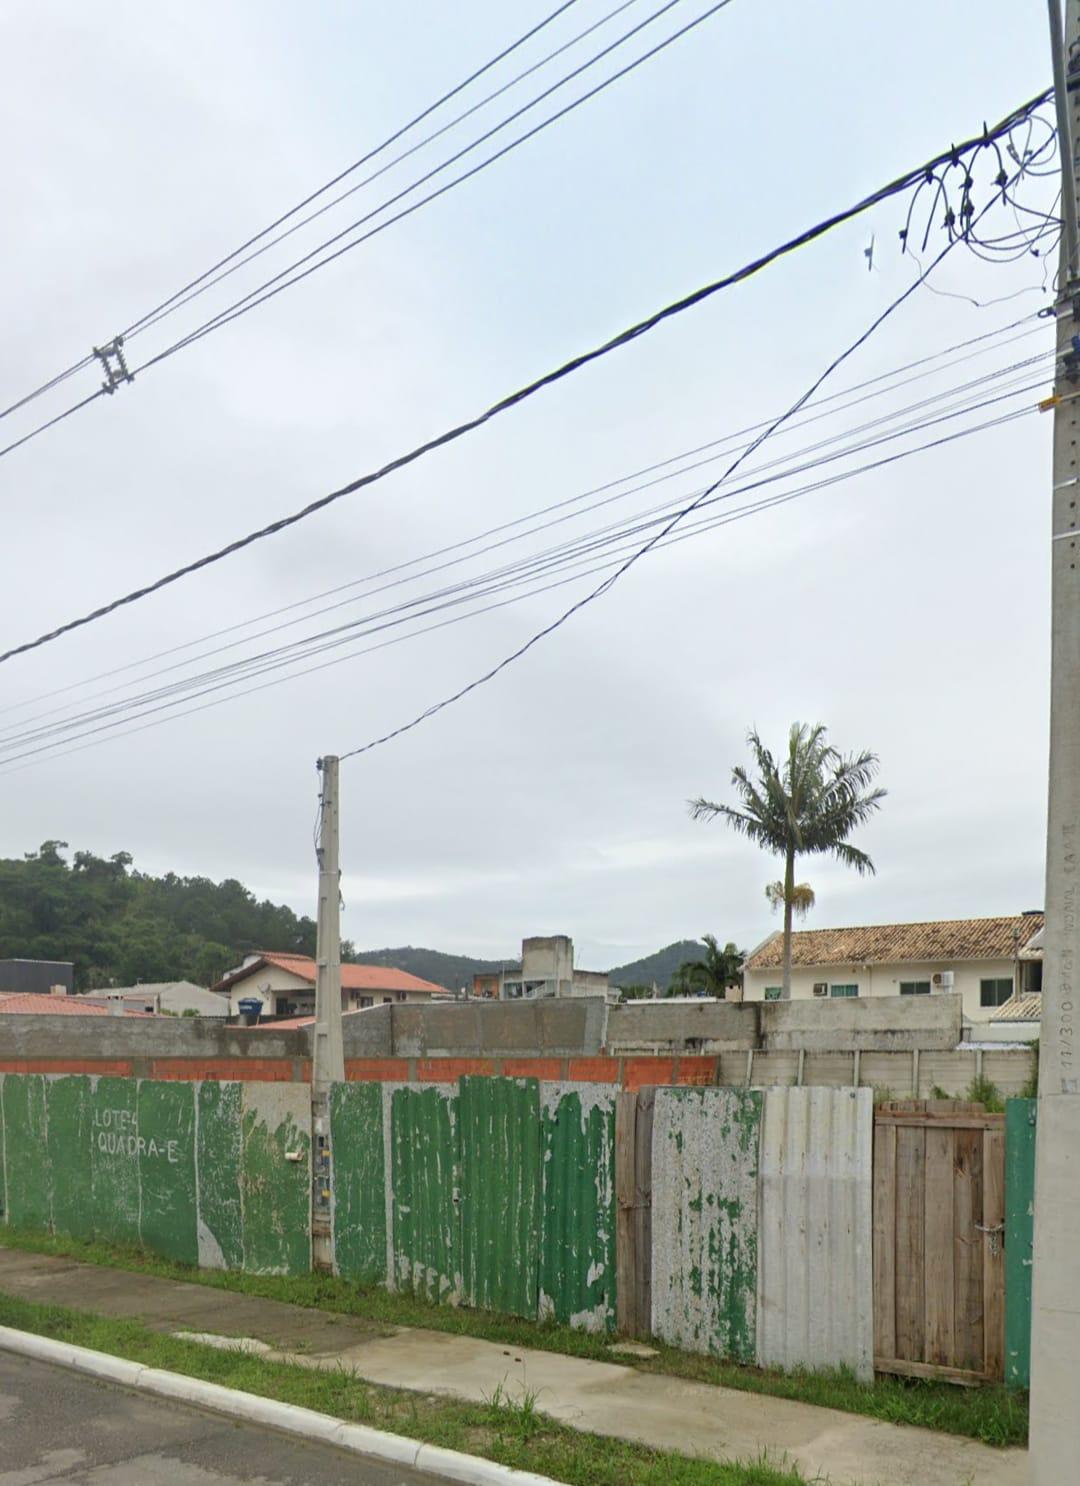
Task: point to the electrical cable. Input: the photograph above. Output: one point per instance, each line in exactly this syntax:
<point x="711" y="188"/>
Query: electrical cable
<point x="54" y="750"/>
<point x="767" y="473"/>
<point x="312" y="196"/>
<point x="922" y="368"/>
<point x="609" y="582"/>
<point x="548" y="379"/>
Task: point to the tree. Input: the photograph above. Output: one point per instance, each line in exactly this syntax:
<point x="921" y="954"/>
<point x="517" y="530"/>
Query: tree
<point x="713" y="973"/>
<point x="806" y="805"/>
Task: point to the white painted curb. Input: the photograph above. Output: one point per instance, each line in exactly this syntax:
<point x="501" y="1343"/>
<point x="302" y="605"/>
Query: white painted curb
<point x="288" y="1418"/>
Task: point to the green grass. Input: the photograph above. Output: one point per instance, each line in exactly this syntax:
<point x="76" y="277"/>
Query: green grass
<point x="513" y="1432"/>
<point x="995" y="1415"/>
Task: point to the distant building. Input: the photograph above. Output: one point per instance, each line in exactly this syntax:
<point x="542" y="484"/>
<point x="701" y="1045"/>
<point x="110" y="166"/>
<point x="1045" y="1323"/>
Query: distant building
<point x="988" y="961"/>
<point x="173" y="996"/>
<point x="31" y="1003"/>
<point x="284" y="985"/>
<point x="546" y="970"/>
<point x="37" y="977"/>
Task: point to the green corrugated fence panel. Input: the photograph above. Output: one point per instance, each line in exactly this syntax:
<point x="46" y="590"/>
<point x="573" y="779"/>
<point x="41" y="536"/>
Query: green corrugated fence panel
<point x="114" y="1169"/>
<point x="359" y="1157"/>
<point x="26" y="1160"/>
<point x="425" y="1177"/>
<point x="500" y="1193"/>
<point x="704" y="1219"/>
<point x="218" y="1153"/>
<point x="165" y="1152"/>
<point x="577" y="1239"/>
<point x="69" y="1117"/>
<point x="1020" y="1127"/>
<point x="275" y="1178"/>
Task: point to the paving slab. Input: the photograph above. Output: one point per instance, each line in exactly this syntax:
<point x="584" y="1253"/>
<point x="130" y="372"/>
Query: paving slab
<point x="599" y="1397"/>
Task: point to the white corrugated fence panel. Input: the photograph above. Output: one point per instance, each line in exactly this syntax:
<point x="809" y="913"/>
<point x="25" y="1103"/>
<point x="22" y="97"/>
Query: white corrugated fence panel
<point x="815" y="1264"/>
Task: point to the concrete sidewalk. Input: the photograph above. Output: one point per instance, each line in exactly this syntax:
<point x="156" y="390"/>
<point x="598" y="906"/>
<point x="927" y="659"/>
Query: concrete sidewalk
<point x="600" y="1397"/>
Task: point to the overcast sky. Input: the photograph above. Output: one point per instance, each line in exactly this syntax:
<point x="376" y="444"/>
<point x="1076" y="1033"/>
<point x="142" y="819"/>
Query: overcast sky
<point x="906" y="608"/>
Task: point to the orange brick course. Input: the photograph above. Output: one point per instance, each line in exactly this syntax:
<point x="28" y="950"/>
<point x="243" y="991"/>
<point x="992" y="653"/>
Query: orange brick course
<point x="445" y="1070"/>
<point x="376" y="1070"/>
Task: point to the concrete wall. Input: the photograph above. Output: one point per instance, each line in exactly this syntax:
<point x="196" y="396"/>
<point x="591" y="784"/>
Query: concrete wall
<point x="885" y="1023"/>
<point x="685" y="1026"/>
<point x="552" y="1028"/>
<point x="884" y="980"/>
<point x="134" y="1045"/>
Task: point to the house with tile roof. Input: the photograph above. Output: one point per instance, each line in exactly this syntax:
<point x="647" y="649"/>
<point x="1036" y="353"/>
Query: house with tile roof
<point x="284" y="985"/>
<point x="989" y="962"/>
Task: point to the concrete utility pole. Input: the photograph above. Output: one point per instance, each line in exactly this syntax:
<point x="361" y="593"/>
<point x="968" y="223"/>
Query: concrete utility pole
<point x="328" y="1058"/>
<point x="1055" y="1331"/>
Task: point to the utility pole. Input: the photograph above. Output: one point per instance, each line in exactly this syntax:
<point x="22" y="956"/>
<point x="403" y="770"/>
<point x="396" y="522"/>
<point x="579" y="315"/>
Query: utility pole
<point x="327" y="1055"/>
<point x="1055" y="1329"/>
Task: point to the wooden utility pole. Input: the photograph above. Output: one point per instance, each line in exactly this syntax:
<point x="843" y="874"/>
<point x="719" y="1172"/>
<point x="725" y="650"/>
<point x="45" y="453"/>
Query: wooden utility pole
<point x="1055" y="1332"/>
<point x="327" y="1055"/>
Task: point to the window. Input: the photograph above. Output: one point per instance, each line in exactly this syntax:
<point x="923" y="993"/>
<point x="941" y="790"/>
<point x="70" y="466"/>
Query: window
<point x="843" y="990"/>
<point x="772" y="993"/>
<point x="400" y="995"/>
<point x="914" y="988"/>
<point x="366" y="1001"/>
<point x="388" y="1000"/>
<point x="995" y="992"/>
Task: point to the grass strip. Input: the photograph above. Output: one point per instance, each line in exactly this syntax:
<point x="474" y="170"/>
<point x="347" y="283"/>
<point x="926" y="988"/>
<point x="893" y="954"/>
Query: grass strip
<point x="993" y="1414"/>
<point x="512" y="1432"/>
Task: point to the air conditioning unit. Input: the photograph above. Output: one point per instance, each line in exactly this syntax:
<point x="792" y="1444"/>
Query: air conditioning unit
<point x="821" y="988"/>
<point x="943" y="980"/>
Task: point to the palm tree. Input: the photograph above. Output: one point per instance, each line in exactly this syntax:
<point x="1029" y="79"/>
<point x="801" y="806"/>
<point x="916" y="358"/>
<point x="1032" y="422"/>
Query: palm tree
<point x="713" y="973"/>
<point x="806" y="805"/>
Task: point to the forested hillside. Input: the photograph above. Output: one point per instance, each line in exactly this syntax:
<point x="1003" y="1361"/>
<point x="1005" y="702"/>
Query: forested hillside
<point x="120" y="926"/>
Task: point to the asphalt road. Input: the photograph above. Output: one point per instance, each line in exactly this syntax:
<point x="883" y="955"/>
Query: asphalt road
<point x="57" y="1426"/>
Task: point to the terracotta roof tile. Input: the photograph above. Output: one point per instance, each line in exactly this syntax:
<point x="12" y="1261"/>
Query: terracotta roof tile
<point x="353" y="977"/>
<point x="874" y="944"/>
<point x="15" y="1004"/>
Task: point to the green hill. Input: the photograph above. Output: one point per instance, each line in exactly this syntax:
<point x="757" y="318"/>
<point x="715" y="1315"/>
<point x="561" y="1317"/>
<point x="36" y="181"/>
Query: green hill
<point x="658" y="967"/>
<point x="451" y="971"/>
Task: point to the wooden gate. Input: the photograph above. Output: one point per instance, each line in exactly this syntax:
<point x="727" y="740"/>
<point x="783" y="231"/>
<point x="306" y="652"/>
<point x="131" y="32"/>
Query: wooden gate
<point x="939" y="1213"/>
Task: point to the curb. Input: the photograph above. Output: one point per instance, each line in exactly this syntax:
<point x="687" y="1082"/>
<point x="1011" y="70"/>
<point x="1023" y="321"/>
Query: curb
<point x="288" y="1418"/>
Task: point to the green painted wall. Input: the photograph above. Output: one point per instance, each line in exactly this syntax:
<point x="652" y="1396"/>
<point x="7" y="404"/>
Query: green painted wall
<point x="357" y="1149"/>
<point x="219" y="1149"/>
<point x="500" y="1193"/>
<point x="425" y="1182"/>
<point x="1020" y="1128"/>
<point x="577" y="1239"/>
<point x="26" y="1157"/>
<point x="196" y="1172"/>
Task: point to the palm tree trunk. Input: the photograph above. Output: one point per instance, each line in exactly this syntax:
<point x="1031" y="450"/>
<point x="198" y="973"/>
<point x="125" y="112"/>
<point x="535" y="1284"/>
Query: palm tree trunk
<point x="789" y="890"/>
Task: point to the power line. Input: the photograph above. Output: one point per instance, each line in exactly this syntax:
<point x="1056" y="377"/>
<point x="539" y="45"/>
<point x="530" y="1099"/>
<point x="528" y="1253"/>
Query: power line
<point x="300" y="205"/>
<point x="610" y="581"/>
<point x="527" y="569"/>
<point x="279" y="282"/>
<point x="778" y="469"/>
<point x="922" y="367"/>
<point x="738" y="513"/>
<point x="548" y="379"/>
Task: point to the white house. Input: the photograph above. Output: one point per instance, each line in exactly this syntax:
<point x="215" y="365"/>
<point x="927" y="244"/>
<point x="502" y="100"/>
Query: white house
<point x="284" y="985"/>
<point x="173" y="996"/>
<point x="988" y="961"/>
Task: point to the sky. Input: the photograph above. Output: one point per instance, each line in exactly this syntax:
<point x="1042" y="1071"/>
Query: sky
<point x="906" y="608"/>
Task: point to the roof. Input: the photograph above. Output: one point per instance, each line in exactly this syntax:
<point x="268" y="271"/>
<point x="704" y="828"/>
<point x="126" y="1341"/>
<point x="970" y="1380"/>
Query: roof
<point x="34" y="1004"/>
<point x="353" y="977"/>
<point x="874" y="944"/>
<point x="1020" y="1009"/>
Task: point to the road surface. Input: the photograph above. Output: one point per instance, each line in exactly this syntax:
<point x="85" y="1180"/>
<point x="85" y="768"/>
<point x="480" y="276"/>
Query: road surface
<point x="57" y="1426"/>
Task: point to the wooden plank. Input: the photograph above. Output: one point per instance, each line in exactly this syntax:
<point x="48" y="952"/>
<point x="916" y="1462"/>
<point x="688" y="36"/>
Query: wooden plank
<point x="643" y="1134"/>
<point x="940" y="1122"/>
<point x="994" y="1254"/>
<point x="968" y="1255"/>
<point x="910" y="1208"/>
<point x="885" y="1240"/>
<point x="939" y="1246"/>
<point x="907" y="1369"/>
<point x="626" y="1264"/>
